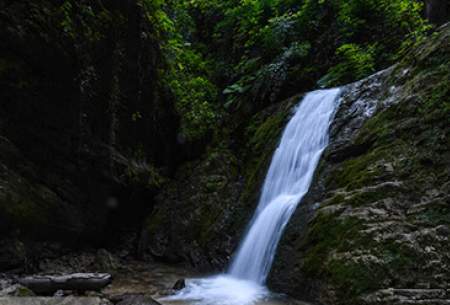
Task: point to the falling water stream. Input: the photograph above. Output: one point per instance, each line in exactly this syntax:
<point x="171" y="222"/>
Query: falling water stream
<point x="287" y="181"/>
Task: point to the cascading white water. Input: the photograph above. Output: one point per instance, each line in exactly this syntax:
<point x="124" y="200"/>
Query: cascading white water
<point x="287" y="181"/>
<point x="290" y="174"/>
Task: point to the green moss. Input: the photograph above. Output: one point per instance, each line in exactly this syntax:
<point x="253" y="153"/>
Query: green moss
<point x="335" y="200"/>
<point x="356" y="277"/>
<point x="397" y="257"/>
<point x="24" y="292"/>
<point x="215" y="183"/>
<point x="267" y="131"/>
<point x="155" y="221"/>
<point x="353" y="278"/>
<point x="358" y="172"/>
<point x="328" y="233"/>
<point x="331" y="237"/>
<point x="26" y="206"/>
<point x="263" y="136"/>
<point x="435" y="214"/>
<point x="209" y="217"/>
<point x="365" y="198"/>
<point x="436" y="106"/>
<point x="145" y="174"/>
<point x="370" y="196"/>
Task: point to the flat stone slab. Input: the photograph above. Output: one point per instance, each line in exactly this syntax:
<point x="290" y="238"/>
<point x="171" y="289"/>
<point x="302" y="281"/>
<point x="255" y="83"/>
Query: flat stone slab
<point x="44" y="284"/>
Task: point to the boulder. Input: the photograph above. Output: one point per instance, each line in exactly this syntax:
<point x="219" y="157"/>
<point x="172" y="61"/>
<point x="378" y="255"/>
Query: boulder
<point x="49" y="284"/>
<point x="180" y="284"/>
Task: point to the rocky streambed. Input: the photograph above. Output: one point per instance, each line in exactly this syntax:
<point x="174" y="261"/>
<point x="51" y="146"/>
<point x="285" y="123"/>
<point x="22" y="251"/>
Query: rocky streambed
<point x="130" y="282"/>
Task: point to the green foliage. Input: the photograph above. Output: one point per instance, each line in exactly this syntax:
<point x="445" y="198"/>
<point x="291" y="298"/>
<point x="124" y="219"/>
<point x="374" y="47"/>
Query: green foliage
<point x="195" y="98"/>
<point x="157" y="17"/>
<point x="187" y="74"/>
<point x="355" y="63"/>
<point x="84" y="22"/>
<point x="246" y="54"/>
<point x="144" y="173"/>
<point x="251" y="42"/>
<point x="255" y="52"/>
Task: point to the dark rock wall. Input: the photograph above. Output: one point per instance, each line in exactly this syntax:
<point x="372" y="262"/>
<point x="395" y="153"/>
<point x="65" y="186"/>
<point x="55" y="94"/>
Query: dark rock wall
<point x="201" y="216"/>
<point x="87" y="128"/>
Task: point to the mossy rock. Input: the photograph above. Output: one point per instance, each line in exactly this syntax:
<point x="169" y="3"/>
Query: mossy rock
<point x="381" y="192"/>
<point x="200" y="215"/>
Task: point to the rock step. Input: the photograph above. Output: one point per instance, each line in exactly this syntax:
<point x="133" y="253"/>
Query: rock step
<point x="423" y="293"/>
<point x="423" y="302"/>
<point x="409" y="297"/>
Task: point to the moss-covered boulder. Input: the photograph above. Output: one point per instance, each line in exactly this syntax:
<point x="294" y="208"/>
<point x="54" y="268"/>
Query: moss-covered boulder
<point x="378" y="226"/>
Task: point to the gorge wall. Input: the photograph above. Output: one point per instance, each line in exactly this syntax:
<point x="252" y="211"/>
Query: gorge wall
<point x="87" y="130"/>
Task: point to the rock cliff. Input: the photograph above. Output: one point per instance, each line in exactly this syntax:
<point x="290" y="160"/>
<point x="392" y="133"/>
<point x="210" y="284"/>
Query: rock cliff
<point x="374" y="228"/>
<point x="87" y="131"/>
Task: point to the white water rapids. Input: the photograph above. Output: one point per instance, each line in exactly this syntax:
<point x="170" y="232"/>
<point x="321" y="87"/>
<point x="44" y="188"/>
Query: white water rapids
<point x="287" y="181"/>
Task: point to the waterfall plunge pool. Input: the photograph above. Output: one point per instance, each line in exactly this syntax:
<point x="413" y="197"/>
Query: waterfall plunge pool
<point x="226" y="290"/>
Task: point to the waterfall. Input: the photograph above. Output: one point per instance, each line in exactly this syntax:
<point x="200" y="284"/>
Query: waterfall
<point x="287" y="181"/>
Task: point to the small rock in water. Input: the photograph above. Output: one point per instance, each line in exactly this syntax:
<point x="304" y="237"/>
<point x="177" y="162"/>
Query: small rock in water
<point x="443" y="230"/>
<point x="59" y="293"/>
<point x="180" y="284"/>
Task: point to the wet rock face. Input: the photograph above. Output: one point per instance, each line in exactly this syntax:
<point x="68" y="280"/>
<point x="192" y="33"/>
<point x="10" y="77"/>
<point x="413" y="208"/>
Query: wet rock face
<point x="180" y="284"/>
<point x="12" y="254"/>
<point x="26" y="204"/>
<point x="82" y="113"/>
<point x="408" y="296"/>
<point x="377" y="213"/>
<point x="200" y="216"/>
<point x="194" y="216"/>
